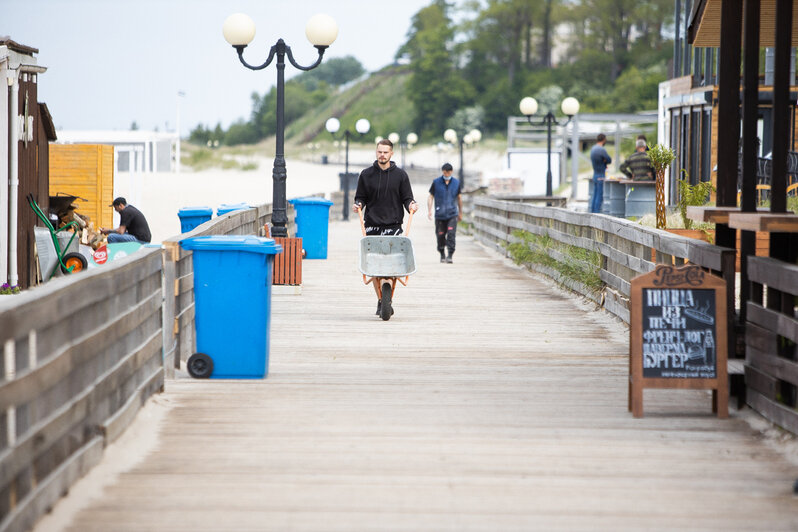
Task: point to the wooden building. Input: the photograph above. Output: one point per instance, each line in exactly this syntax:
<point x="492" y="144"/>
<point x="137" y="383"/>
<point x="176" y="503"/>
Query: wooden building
<point x="750" y="113"/>
<point x="25" y="130"/>
<point x="689" y="100"/>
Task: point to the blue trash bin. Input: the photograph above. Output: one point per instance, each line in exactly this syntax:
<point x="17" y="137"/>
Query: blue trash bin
<point x="312" y="218"/>
<point x="224" y="208"/>
<point x="191" y="217"/>
<point x="232" y="297"/>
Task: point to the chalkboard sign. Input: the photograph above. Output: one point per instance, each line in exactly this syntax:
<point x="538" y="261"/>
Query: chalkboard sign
<point x="678" y="334"/>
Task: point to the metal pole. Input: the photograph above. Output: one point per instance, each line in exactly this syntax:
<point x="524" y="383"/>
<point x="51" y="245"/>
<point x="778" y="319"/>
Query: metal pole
<point x="460" y="173"/>
<point x="279" y="217"/>
<point x="346" y="178"/>
<point x="575" y="159"/>
<point x="549" y="120"/>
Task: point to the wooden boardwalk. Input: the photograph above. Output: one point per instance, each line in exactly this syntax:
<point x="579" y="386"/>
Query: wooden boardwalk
<point x="492" y="400"/>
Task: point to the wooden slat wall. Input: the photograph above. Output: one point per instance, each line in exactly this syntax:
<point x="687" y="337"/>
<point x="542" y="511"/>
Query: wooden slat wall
<point x="29" y="181"/>
<point x="288" y="264"/>
<point x="770" y="358"/>
<point x="87" y="171"/>
<point x="81" y="354"/>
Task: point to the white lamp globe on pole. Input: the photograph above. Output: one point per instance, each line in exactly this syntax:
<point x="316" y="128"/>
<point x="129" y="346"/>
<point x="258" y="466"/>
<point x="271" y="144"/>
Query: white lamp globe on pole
<point x="332" y="125"/>
<point x="362" y="126"/>
<point x="570" y="106"/>
<point x="529" y="106"/>
<point x="321" y="30"/>
<point x="450" y="135"/>
<point x="238" y="29"/>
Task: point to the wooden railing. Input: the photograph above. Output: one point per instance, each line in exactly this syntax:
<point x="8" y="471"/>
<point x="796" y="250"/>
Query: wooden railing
<point x="623" y="249"/>
<point x="771" y="336"/>
<point x="82" y="353"/>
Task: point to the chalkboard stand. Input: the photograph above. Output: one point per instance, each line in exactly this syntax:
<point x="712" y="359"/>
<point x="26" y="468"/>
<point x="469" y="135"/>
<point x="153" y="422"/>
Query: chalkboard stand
<point x="679" y="294"/>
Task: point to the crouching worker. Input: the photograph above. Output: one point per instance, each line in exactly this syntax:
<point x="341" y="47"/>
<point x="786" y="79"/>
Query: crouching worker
<point x="133" y="226"/>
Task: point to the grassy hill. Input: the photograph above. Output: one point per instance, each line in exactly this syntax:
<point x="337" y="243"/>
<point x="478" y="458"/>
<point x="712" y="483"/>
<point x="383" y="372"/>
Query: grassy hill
<point x="380" y="98"/>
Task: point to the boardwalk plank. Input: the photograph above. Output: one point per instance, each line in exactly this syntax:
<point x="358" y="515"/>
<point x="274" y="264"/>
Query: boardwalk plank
<point x="490" y="401"/>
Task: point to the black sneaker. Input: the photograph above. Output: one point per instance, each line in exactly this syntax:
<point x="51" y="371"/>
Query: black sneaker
<point x="379" y="308"/>
<point x="443" y="259"/>
<point x="449" y="260"/>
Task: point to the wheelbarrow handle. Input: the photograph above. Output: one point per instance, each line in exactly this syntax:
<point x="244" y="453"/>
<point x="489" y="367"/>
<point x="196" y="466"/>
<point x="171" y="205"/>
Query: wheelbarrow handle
<point x="362" y="220"/>
<point x="409" y="221"/>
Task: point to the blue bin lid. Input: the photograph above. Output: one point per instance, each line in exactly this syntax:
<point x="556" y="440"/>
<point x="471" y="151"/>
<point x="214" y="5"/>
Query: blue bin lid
<point x="310" y="201"/>
<point x="227" y="207"/>
<point x="253" y="244"/>
<point x="195" y="211"/>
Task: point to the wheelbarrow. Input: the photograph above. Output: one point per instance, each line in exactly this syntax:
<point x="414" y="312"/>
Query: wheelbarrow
<point x="69" y="262"/>
<point x="384" y="260"/>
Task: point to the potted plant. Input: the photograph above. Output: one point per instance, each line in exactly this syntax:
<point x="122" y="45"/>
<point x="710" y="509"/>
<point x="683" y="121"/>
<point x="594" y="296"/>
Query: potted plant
<point x="661" y="158"/>
<point x="693" y="195"/>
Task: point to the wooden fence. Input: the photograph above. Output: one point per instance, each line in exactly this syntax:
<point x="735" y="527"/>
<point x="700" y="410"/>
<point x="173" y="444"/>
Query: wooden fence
<point x="80" y="356"/>
<point x="622" y="249"/>
<point x="771" y="335"/>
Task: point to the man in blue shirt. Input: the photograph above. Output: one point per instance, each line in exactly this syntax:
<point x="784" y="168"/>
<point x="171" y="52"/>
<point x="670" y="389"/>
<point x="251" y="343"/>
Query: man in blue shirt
<point x="600" y="159"/>
<point x="445" y="192"/>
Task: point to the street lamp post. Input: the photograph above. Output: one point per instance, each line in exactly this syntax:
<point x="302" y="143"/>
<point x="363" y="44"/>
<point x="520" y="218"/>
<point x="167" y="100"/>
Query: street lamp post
<point x="239" y="30"/>
<point x="362" y="126"/>
<point x="408" y="143"/>
<point x="472" y="137"/>
<point x="529" y="106"/>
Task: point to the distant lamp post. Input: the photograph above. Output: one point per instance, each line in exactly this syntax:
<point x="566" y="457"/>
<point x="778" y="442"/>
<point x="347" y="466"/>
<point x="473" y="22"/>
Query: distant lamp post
<point x="472" y="137"/>
<point x="410" y="140"/>
<point x="569" y="107"/>
<point x="362" y="126"/>
<point x="239" y="30"/>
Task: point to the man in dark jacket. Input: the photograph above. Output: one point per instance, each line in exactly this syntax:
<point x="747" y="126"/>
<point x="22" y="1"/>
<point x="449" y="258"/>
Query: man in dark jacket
<point x="133" y="226"/>
<point x="445" y="193"/>
<point x="383" y="190"/>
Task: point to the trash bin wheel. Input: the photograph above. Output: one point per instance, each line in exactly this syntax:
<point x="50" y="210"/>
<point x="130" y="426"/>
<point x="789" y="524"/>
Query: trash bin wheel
<point x="385" y="302"/>
<point x="200" y="366"/>
<point x="74" y="263"/>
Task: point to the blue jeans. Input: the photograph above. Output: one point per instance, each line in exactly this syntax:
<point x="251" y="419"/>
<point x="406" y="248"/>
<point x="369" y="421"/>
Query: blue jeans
<point x="598" y="193"/>
<point x="114" y="238"/>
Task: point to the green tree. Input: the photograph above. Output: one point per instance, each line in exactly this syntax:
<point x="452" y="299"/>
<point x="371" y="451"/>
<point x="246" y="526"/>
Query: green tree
<point x="435" y="88"/>
<point x="335" y="71"/>
<point x="241" y="132"/>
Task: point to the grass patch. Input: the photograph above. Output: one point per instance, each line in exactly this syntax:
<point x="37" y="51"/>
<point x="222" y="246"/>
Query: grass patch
<point x="580" y="264"/>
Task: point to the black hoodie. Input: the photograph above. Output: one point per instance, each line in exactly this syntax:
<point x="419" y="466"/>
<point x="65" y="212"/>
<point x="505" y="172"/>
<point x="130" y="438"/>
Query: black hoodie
<point x="384" y="193"/>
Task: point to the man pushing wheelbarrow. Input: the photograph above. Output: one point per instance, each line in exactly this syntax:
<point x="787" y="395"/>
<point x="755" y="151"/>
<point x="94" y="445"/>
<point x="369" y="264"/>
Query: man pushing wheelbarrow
<point x="384" y="191"/>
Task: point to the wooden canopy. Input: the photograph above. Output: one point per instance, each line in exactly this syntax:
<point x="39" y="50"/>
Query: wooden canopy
<point x="704" y="28"/>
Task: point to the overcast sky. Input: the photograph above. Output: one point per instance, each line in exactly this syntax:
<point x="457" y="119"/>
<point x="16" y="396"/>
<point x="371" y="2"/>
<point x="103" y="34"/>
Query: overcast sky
<point x="112" y="62"/>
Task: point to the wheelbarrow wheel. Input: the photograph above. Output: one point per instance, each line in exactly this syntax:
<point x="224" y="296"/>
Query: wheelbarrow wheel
<point x="385" y="302"/>
<point x="200" y="366"/>
<point x="74" y="263"/>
